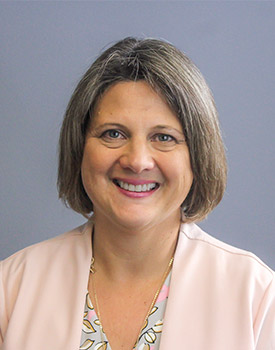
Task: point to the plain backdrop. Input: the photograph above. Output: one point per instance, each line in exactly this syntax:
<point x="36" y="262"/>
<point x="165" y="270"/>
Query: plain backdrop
<point x="46" y="46"/>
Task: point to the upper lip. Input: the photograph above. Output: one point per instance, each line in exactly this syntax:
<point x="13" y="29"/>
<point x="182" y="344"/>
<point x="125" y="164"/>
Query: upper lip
<point x="135" y="181"/>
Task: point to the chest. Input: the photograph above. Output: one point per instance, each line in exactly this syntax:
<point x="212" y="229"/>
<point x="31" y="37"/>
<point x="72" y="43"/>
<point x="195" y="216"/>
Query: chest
<point x="127" y="318"/>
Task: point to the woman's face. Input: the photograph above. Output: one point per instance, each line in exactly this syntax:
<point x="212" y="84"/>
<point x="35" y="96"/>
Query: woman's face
<point x="136" y="166"/>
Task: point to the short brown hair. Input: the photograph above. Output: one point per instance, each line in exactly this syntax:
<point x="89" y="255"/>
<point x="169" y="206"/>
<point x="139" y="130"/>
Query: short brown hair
<point x="171" y="74"/>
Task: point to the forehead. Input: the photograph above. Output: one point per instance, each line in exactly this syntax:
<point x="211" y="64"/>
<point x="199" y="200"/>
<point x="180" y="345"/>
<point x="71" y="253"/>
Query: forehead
<point x="134" y="101"/>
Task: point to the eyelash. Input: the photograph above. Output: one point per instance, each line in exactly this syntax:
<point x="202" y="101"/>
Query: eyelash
<point x="171" y="138"/>
<point x="106" y="134"/>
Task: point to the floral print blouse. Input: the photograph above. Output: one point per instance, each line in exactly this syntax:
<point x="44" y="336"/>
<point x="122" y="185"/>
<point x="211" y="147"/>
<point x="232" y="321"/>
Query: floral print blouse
<point x="149" y="339"/>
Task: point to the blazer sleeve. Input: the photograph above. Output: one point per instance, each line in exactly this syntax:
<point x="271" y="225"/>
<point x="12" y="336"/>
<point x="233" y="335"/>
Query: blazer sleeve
<point x="264" y="324"/>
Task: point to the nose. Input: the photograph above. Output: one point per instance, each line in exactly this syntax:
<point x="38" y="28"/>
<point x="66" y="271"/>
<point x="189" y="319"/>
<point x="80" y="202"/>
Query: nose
<point x="137" y="156"/>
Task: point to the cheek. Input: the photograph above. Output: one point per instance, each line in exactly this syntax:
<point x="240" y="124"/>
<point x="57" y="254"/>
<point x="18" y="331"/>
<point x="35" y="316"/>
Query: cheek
<point x="90" y="174"/>
<point x="187" y="173"/>
<point x="96" y="165"/>
<point x="180" y="176"/>
<point x="90" y="163"/>
<point x="92" y="157"/>
<point x="178" y="167"/>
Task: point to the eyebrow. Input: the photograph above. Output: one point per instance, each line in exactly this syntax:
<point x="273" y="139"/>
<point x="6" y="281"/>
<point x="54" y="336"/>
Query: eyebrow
<point x="110" y="124"/>
<point x="156" y="127"/>
<point x="167" y="127"/>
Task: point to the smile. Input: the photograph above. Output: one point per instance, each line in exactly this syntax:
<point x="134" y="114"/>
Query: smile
<point x="136" y="188"/>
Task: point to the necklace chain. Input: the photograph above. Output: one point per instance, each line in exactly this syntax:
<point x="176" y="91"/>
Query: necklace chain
<point x="93" y="270"/>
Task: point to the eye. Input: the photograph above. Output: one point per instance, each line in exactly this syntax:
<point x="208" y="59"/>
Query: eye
<point x="113" y="138"/>
<point x="163" y="138"/>
<point x="164" y="142"/>
<point x="112" y="134"/>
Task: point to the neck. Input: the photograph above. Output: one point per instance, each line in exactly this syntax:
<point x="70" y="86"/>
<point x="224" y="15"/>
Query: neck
<point x="121" y="253"/>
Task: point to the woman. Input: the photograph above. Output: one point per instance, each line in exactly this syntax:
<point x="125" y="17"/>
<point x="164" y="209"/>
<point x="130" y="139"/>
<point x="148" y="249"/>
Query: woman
<point x="140" y="148"/>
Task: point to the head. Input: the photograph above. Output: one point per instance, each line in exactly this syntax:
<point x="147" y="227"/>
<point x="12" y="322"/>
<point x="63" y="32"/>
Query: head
<point x="174" y="77"/>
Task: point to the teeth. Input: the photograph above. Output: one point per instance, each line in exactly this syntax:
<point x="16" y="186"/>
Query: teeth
<point x="136" y="188"/>
<point x="131" y="188"/>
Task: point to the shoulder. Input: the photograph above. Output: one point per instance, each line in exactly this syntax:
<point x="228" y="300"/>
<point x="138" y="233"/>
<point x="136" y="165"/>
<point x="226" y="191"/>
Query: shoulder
<point x="53" y="272"/>
<point x="44" y="254"/>
<point x="222" y="257"/>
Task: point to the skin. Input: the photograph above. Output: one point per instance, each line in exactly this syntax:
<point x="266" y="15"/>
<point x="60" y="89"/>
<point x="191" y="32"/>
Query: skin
<point x="135" y="137"/>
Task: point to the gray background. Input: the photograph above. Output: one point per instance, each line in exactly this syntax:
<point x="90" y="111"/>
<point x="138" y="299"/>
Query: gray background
<point x="46" y="46"/>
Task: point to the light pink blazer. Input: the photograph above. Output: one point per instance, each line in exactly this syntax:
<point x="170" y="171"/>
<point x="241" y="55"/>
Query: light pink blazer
<point x="221" y="298"/>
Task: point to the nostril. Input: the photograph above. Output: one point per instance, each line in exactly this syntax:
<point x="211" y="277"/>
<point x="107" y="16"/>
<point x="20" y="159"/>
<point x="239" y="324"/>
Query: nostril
<point x="137" y="163"/>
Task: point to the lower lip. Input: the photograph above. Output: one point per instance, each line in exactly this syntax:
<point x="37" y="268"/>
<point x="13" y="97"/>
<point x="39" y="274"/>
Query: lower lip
<point x="137" y="194"/>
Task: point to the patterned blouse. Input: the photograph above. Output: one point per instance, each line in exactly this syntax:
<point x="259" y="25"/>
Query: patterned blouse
<point x="93" y="339"/>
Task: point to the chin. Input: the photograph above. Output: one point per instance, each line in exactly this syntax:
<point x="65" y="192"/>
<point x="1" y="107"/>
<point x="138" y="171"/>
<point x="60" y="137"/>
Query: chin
<point x="135" y="220"/>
